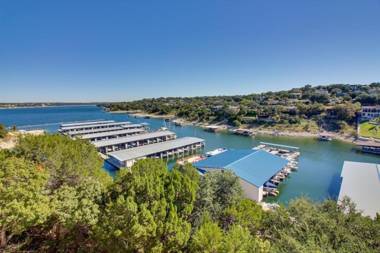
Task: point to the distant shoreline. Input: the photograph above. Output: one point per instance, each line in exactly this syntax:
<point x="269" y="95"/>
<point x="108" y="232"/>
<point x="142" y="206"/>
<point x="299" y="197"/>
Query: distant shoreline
<point x="44" y="106"/>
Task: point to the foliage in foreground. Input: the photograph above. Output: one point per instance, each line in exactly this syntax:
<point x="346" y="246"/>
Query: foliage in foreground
<point x="55" y="198"/>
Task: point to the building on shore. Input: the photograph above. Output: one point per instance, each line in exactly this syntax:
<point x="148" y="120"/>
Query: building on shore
<point x="255" y="168"/>
<point x="141" y="139"/>
<point x="163" y="150"/>
<point x="361" y="183"/>
<point x="370" y="112"/>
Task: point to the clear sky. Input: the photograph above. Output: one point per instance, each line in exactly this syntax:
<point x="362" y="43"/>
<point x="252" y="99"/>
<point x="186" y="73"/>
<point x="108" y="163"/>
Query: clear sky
<point x="89" y="50"/>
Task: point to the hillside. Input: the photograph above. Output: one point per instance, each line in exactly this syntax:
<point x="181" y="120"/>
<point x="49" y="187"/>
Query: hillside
<point x="331" y="107"/>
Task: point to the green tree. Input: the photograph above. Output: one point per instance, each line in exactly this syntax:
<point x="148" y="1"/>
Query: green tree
<point x="240" y="240"/>
<point x="3" y="131"/>
<point x="218" y="190"/>
<point x="147" y="209"/>
<point x="23" y="197"/>
<point x="245" y="213"/>
<point x="207" y="238"/>
<point x="68" y="161"/>
<point x="325" y="227"/>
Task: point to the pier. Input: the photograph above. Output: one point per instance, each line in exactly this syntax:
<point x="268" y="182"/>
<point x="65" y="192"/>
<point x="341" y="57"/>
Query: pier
<point x="127" y="131"/>
<point x="115" y="144"/>
<point x="83" y="123"/>
<point x="98" y="125"/>
<point x="163" y="150"/>
<point x="369" y="146"/>
<point x="92" y="131"/>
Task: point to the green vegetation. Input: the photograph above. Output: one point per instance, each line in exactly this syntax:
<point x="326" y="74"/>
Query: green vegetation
<point x="3" y="131"/>
<point x="370" y="129"/>
<point x="332" y="107"/>
<point x="55" y="197"/>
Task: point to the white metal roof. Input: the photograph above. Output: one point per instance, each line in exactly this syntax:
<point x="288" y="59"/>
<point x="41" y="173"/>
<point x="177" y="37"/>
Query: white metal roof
<point x="82" y="123"/>
<point x="95" y="130"/>
<point x="142" y="151"/>
<point x="115" y="141"/>
<point x="95" y="125"/>
<point x="134" y="128"/>
<point x="361" y="182"/>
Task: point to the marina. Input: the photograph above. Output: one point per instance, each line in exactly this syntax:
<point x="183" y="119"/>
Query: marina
<point x="319" y="166"/>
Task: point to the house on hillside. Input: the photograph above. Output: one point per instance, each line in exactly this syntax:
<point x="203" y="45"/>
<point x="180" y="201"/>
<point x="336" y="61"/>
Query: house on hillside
<point x="370" y="112"/>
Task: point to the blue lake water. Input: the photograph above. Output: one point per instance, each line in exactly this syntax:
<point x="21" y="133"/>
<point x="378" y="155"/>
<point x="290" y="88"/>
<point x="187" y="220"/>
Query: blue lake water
<point x="320" y="163"/>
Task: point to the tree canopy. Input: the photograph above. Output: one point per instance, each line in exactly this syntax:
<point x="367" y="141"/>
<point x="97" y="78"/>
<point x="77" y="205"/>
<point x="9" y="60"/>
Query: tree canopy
<point x="150" y="208"/>
<point x="3" y="131"/>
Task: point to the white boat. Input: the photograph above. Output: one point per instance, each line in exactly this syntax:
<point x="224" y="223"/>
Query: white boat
<point x="216" y="152"/>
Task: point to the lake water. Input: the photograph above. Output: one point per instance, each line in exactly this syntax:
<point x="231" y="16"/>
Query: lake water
<point x="320" y="164"/>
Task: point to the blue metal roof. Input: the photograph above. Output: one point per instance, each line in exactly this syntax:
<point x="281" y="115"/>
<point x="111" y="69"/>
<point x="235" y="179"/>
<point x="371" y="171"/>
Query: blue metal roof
<point x="254" y="166"/>
<point x="223" y="159"/>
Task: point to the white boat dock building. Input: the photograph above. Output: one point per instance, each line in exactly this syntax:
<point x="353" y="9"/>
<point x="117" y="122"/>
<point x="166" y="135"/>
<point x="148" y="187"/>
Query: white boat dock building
<point x="91" y="131"/>
<point x="129" y="130"/>
<point x="163" y="150"/>
<point x="361" y="183"/>
<point x="133" y="141"/>
<point x="98" y="125"/>
<point x="83" y="123"/>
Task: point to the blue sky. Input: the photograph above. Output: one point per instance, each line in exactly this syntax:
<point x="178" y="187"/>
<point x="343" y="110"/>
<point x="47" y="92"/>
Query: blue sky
<point x="88" y="50"/>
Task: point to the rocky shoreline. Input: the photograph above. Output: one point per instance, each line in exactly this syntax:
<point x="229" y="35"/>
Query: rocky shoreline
<point x="224" y="127"/>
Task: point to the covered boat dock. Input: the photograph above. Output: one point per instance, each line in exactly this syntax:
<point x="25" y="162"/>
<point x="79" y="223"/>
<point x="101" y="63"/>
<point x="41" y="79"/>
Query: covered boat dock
<point x="99" y="125"/>
<point x="253" y="167"/>
<point x="83" y="123"/>
<point x="133" y="141"/>
<point x="131" y="129"/>
<point x="361" y="183"/>
<point x="163" y="150"/>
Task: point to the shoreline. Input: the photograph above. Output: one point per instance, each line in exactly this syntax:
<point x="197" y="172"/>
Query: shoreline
<point x="224" y="127"/>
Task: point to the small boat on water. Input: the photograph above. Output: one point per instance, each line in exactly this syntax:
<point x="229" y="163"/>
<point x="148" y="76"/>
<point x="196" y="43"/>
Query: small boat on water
<point x="325" y="137"/>
<point x="269" y="184"/>
<point x="215" y="152"/>
<point x="241" y="131"/>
